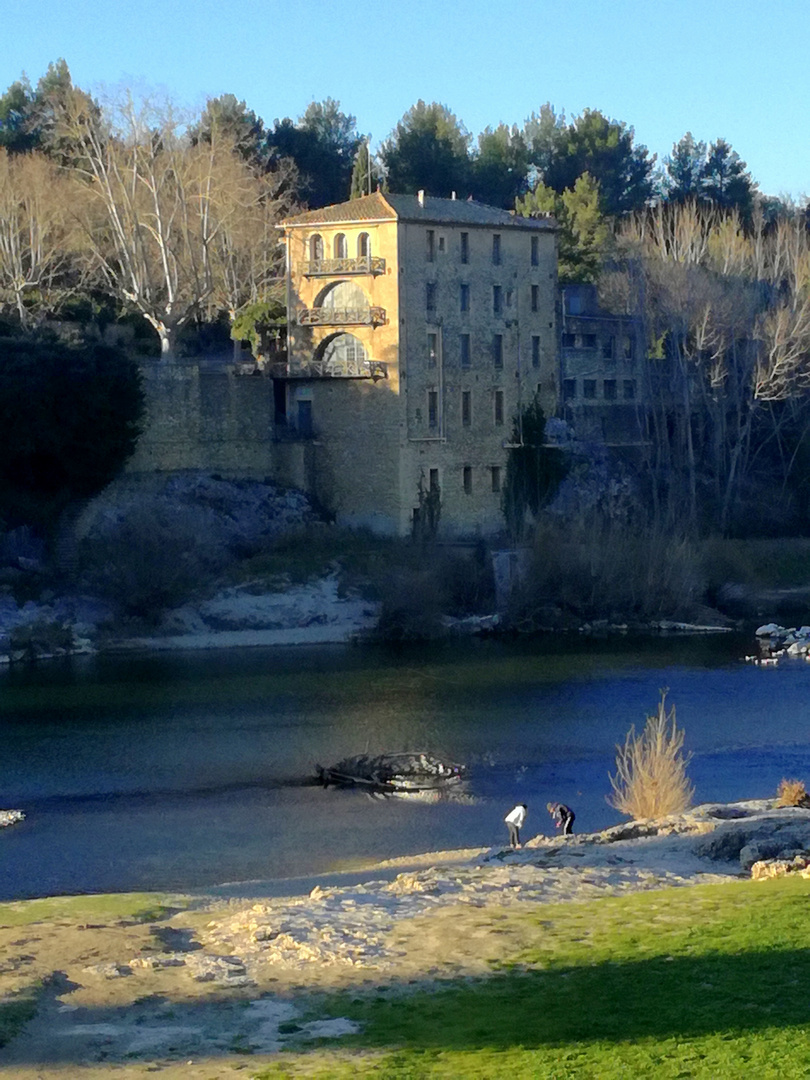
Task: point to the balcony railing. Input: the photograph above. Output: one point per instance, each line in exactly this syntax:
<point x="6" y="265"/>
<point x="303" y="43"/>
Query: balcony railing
<point x="331" y="369"/>
<point x="328" y="316"/>
<point x="361" y="264"/>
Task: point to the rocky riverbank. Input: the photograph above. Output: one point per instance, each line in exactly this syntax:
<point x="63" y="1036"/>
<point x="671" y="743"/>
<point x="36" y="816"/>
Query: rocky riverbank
<point x="213" y="976"/>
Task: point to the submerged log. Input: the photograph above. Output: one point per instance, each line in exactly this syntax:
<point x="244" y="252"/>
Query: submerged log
<point x="392" y="772"/>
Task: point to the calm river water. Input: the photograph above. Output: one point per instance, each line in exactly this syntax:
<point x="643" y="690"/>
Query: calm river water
<point x="181" y="771"/>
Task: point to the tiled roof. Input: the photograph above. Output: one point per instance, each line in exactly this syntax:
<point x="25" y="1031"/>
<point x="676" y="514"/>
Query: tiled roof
<point x="460" y="212"/>
<point x="408" y="208"/>
<point x="366" y="208"/>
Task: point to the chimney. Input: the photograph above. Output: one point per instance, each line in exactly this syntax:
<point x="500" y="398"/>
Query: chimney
<point x="420" y="195"/>
<point x="453" y="196"/>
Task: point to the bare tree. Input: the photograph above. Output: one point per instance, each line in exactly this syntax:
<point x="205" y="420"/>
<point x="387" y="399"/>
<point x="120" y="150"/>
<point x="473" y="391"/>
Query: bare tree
<point x="156" y="211"/>
<point x="37" y="235"/>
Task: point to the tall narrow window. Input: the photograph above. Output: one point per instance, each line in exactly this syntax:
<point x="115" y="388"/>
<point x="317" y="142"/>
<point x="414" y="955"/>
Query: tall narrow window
<point x="629" y="389"/>
<point x="535" y="351"/>
<point x="464" y="343"/>
<point x="340" y="246"/>
<point x="432" y="349"/>
<point x="433" y="408"/>
<point x="431" y="245"/>
<point x="535" y="297"/>
<point x="628" y="348"/>
<point x="316" y="247"/>
<point x="609" y="387"/>
<point x="496" y="249"/>
<point x="466" y="479"/>
<point x="434" y="480"/>
<point x="465" y="247"/>
<point x="535" y="251"/>
<point x="498" y="403"/>
<point x="607" y="348"/>
<point x="497" y="299"/>
<point x="496" y="478"/>
<point x="464" y="297"/>
<point x="430" y="296"/>
<point x="442" y="245"/>
<point x="466" y="408"/>
<point x="363" y="245"/>
<point x="569" y="389"/>
<point x="497" y="350"/>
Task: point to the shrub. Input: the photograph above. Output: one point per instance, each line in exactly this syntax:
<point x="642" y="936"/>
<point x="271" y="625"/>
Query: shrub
<point x="650" y="778"/>
<point x="411" y="607"/>
<point x="598" y="568"/>
<point x="153" y="558"/>
<point x="792" y="793"/>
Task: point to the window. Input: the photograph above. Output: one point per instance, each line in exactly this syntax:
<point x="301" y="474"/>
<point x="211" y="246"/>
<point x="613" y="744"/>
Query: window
<point x="496" y="249"/>
<point x="589" y="341"/>
<point x="433" y="408"/>
<point x="431" y="240"/>
<point x="535" y="297"/>
<point x="568" y="341"/>
<point x="363" y="245"/>
<point x="432" y="349"/>
<point x="569" y="389"/>
<point x="573" y="303"/>
<point x="629" y="389"/>
<point x="466" y="408"/>
<point x="341" y="250"/>
<point x="467" y="479"/>
<point x="609" y="388"/>
<point x="498" y="402"/>
<point x="316" y="247"/>
<point x="607" y="348"/>
<point x="434" y="480"/>
<point x="497" y="299"/>
<point x="628" y="348"/>
<point x="535" y="251"/>
<point x="589" y="389"/>
<point x="465" y="350"/>
<point x="497" y="350"/>
<point x="441" y="245"/>
<point x="496" y="478"/>
<point x="465" y="247"/>
<point x="535" y="351"/>
<point x="430" y="296"/>
<point x="464" y="297"/>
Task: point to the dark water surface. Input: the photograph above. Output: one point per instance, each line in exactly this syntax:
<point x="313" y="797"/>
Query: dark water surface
<point x="180" y="771"/>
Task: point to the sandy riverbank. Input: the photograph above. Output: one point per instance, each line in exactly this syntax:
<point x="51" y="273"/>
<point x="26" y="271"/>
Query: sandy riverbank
<point x="211" y="974"/>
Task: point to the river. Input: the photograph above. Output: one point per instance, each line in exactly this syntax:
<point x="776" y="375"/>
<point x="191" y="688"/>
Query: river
<point x="183" y="771"/>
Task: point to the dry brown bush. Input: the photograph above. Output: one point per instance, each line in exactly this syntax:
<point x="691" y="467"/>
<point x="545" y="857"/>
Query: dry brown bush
<point x="792" y="793"/>
<point x="650" y="780"/>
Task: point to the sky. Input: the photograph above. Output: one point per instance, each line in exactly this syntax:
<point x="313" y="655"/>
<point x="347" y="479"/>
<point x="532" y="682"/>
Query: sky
<point x="734" y="69"/>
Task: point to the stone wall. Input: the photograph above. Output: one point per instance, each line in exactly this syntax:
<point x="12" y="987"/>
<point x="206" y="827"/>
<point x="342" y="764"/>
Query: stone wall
<point x="200" y="417"/>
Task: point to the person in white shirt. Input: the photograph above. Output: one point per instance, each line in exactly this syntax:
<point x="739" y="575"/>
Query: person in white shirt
<point x="514" y="819"/>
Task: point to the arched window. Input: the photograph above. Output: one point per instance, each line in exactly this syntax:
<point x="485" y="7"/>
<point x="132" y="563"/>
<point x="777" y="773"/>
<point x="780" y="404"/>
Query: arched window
<point x="343" y="295"/>
<point x="344" y="355"/>
<point x="363" y="245"/>
<point x="340" y="246"/>
<point x="316" y="247"/>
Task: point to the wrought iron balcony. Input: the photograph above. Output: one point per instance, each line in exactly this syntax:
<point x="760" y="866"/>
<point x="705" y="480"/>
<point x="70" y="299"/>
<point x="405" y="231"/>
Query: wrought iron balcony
<point x="327" y="316"/>
<point x="361" y="264"/>
<point x="331" y="369"/>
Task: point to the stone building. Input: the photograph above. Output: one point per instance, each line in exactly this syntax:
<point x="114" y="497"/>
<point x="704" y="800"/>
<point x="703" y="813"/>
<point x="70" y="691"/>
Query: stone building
<point x="604" y="392"/>
<point x="417" y="329"/>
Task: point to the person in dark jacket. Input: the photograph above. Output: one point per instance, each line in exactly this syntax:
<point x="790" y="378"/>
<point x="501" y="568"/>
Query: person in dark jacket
<point x="563" y="816"/>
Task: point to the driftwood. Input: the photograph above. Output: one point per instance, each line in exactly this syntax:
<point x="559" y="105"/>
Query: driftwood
<point x="392" y="772"/>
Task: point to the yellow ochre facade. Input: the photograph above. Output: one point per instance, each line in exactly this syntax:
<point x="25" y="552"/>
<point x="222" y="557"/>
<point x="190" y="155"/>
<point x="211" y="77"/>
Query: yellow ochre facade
<point x="417" y="328"/>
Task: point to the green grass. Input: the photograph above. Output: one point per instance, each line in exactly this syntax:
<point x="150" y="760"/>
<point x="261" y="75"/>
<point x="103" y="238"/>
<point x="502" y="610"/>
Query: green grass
<point x="16" y="1010"/>
<point x="712" y="981"/>
<point x="140" y="907"/>
<point x="773" y="564"/>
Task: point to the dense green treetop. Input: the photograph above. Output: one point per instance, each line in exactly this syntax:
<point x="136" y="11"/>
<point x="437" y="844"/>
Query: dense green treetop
<point x="428" y="149"/>
<point x="604" y="148"/>
<point x="323" y="144"/>
<point x="227" y="117"/>
<point x="584" y="229"/>
<point x="713" y="174"/>
<point x="500" y="168"/>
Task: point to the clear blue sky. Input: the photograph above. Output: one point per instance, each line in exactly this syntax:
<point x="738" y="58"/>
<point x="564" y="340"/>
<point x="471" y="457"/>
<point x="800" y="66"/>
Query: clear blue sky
<point x="731" y="68"/>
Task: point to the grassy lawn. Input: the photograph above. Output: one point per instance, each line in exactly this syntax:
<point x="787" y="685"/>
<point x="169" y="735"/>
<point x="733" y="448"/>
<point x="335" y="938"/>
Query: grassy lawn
<point x="711" y="981"/>
<point x="141" y="907"/>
